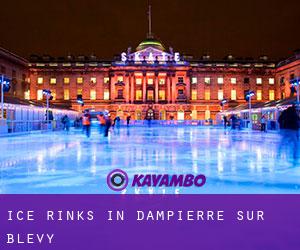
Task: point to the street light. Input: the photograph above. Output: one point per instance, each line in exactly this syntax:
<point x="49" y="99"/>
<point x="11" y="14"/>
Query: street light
<point x="5" y="87"/>
<point x="47" y="93"/>
<point x="249" y="94"/>
<point x="222" y="103"/>
<point x="295" y="84"/>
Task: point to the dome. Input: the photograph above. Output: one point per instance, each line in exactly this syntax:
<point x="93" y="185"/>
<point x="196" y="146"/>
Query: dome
<point x="150" y="42"/>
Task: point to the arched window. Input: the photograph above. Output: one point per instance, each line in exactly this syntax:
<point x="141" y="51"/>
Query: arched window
<point x="180" y="115"/>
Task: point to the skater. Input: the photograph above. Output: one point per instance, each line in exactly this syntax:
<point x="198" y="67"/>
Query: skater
<point x="225" y="121"/>
<point x="289" y="126"/>
<point x="128" y="120"/>
<point x="102" y="122"/>
<point x="263" y="123"/>
<point x="86" y="122"/>
<point x="66" y="123"/>
<point x="107" y="125"/>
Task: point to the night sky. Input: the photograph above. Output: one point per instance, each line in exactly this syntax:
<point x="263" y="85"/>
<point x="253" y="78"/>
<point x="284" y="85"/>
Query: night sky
<point x="244" y="28"/>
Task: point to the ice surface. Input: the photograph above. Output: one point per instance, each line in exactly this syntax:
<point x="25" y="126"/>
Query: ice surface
<point x="233" y="162"/>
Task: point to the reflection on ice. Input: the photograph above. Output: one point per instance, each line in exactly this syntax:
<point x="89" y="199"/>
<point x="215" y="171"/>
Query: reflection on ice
<point x="235" y="162"/>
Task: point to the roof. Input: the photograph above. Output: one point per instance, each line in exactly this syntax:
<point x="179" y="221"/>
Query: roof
<point x="150" y="42"/>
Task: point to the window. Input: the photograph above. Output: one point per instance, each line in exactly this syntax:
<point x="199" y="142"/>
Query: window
<point x="162" y="81"/>
<point x="271" y="80"/>
<point x="246" y="80"/>
<point x="194" y="80"/>
<point x="93" y="94"/>
<point x="233" y="94"/>
<point x="66" y="94"/>
<point x="161" y="95"/>
<point x="258" y="80"/>
<point x="106" y="79"/>
<point x="79" y="91"/>
<point x="271" y="95"/>
<point x="282" y="80"/>
<point x="138" y="95"/>
<point x="220" y="80"/>
<point x="66" y="80"/>
<point x="93" y="80"/>
<point x="207" y="95"/>
<point x="207" y="114"/>
<point x="194" y="94"/>
<point x="120" y="94"/>
<point x="120" y="78"/>
<point x="138" y="81"/>
<point x="233" y="80"/>
<point x="150" y="95"/>
<point x="259" y="95"/>
<point x="39" y="95"/>
<point x="180" y="92"/>
<point x="27" y="95"/>
<point x="53" y="93"/>
<point x="106" y="94"/>
<point x="40" y="80"/>
<point x="52" y="80"/>
<point x="207" y="80"/>
<point x="79" y="80"/>
<point x="180" y="79"/>
<point x="220" y="94"/>
<point x="150" y="81"/>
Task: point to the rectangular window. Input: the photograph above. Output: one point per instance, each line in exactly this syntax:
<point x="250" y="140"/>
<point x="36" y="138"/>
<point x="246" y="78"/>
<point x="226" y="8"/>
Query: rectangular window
<point x="106" y="94"/>
<point x="79" y="91"/>
<point x="220" y="94"/>
<point x="220" y="80"/>
<point x="207" y="80"/>
<point x="233" y="80"/>
<point x="120" y="78"/>
<point x="79" y="80"/>
<point x="120" y="94"/>
<point x="106" y="79"/>
<point x="53" y="93"/>
<point x="259" y="95"/>
<point x="138" y="81"/>
<point x="52" y="80"/>
<point x="93" y="94"/>
<point x="150" y="81"/>
<point x="150" y="95"/>
<point x="161" y="95"/>
<point x="27" y="95"/>
<point x="66" y="80"/>
<point x="207" y="95"/>
<point x="162" y="81"/>
<point x="233" y="94"/>
<point x="180" y="79"/>
<point x="271" y="80"/>
<point x="271" y="95"/>
<point x="66" y="94"/>
<point x="194" y="94"/>
<point x="246" y="80"/>
<point x="194" y="80"/>
<point x="258" y="80"/>
<point x="40" y="80"/>
<point x="93" y="80"/>
<point x="39" y="95"/>
<point x="138" y="95"/>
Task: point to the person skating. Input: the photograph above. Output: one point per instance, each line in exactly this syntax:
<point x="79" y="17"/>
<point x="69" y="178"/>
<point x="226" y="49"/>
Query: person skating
<point x="107" y="125"/>
<point x="128" y="120"/>
<point x="86" y="122"/>
<point x="263" y="123"/>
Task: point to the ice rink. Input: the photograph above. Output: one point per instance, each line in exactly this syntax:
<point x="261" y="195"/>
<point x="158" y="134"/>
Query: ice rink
<point x="232" y="161"/>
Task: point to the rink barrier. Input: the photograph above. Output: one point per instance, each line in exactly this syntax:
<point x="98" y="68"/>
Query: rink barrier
<point x="170" y="123"/>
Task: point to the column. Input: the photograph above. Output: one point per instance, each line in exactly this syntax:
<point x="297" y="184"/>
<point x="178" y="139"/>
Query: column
<point x="112" y="88"/>
<point x="188" y="88"/>
<point x="169" y="82"/>
<point x="173" y="84"/>
<point x="144" y="87"/>
<point x="132" y="88"/>
<point x="156" y="87"/>
<point x="127" y="93"/>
